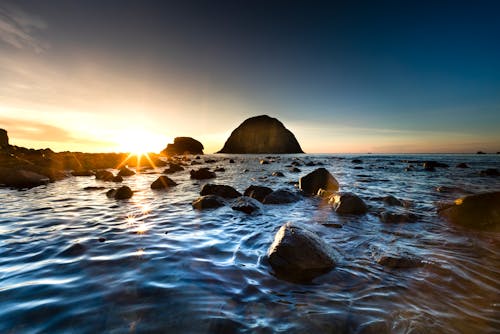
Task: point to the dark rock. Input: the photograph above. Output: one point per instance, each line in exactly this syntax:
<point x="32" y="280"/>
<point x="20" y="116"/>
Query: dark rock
<point x="294" y="170"/>
<point x="399" y="262"/>
<point x="183" y="145"/>
<point x="220" y="169"/>
<point x="219" y="190"/>
<point x="325" y="193"/>
<point x="117" y="179"/>
<point x="278" y="174"/>
<point x="194" y="163"/>
<point x="246" y="204"/>
<point x="296" y="163"/>
<point x="15" y="178"/>
<point x="208" y="202"/>
<point x="4" y="139"/>
<point x="93" y="188"/>
<point x="445" y="189"/>
<point x="391" y="200"/>
<point x="264" y="162"/>
<point x="481" y="211"/>
<point x="357" y="161"/>
<point x="163" y="182"/>
<point x="310" y="163"/>
<point x="434" y="164"/>
<point x="490" y="172"/>
<point x="82" y="172"/>
<point x="261" y="134"/>
<point x="462" y="165"/>
<point x="173" y="168"/>
<point x="429" y="168"/>
<point x="299" y="254"/>
<point x="258" y="192"/>
<point x="231" y="161"/>
<point x="101" y="239"/>
<point x="395" y="218"/>
<point x="210" y="161"/>
<point x="104" y="175"/>
<point x="111" y="193"/>
<point x="281" y="196"/>
<point x="123" y="193"/>
<point x="201" y="174"/>
<point x="348" y="203"/>
<point x="197" y="157"/>
<point x="124" y="172"/>
<point x="75" y="249"/>
<point x="318" y="179"/>
<point x="480" y="152"/>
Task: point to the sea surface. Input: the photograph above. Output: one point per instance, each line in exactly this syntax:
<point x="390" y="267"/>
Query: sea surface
<point x="75" y="261"/>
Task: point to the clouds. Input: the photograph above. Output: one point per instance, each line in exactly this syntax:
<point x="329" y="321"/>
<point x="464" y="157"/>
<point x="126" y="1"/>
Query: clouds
<point x="19" y="29"/>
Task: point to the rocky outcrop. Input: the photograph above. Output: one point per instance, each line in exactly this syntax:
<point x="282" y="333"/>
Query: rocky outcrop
<point x="184" y="145"/>
<point x="11" y="177"/>
<point x="219" y="190"/>
<point x="480" y="212"/>
<point x="300" y="254"/>
<point x="261" y="134"/>
<point x="318" y="179"/>
<point x="4" y="139"/>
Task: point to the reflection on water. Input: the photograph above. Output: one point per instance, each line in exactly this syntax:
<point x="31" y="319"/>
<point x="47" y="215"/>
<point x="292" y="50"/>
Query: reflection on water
<point x="76" y="261"/>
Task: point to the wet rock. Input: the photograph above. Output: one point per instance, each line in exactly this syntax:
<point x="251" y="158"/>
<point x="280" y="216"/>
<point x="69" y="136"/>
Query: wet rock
<point x="201" y="174"/>
<point x="183" y="145"/>
<point x="325" y="193"/>
<point x="117" y="179"/>
<point x="195" y="163"/>
<point x="310" y="163"/>
<point x="395" y="218"/>
<point x="93" y="188"/>
<point x="348" y="203"/>
<point x="210" y="161"/>
<point x="121" y="193"/>
<point x="15" y="178"/>
<point x="124" y="172"/>
<point x="358" y="167"/>
<point x="297" y="253"/>
<point x="393" y="201"/>
<point x="258" y="192"/>
<point x="318" y="179"/>
<point x="220" y="169"/>
<point x="264" y="162"/>
<point x="75" y="249"/>
<point x="434" y="164"/>
<point x="163" y="182"/>
<point x="294" y="170"/>
<point x="261" y="134"/>
<point x="104" y="175"/>
<point x="208" y="202"/>
<point x="281" y="196"/>
<point x="480" y="152"/>
<point x="246" y="204"/>
<point x="429" y="168"/>
<point x="490" y="172"/>
<point x="446" y="189"/>
<point x="101" y="239"/>
<point x="173" y="168"/>
<point x="219" y="190"/>
<point x="231" y="161"/>
<point x="399" y="262"/>
<point x="278" y="174"/>
<point x="82" y="172"/>
<point x="357" y="161"/>
<point x="296" y="163"/>
<point x="480" y="211"/>
<point x="462" y="165"/>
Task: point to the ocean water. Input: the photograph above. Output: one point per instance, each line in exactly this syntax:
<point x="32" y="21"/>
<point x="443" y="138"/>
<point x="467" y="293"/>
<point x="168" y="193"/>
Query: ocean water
<point x="75" y="261"/>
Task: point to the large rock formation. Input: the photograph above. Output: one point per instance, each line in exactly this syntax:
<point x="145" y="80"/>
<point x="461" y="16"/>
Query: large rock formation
<point x="184" y="145"/>
<point x="261" y="134"/>
<point x="4" y="139"/>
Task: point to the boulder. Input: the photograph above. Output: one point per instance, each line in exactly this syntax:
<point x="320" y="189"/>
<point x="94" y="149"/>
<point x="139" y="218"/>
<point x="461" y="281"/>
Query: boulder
<point x="208" y="202"/>
<point x="294" y="170"/>
<point x="4" y="139"/>
<point x="399" y="262"/>
<point x="120" y="193"/>
<point x="395" y="217"/>
<point x="348" y="203"/>
<point x="82" y="172"/>
<point x="104" y="175"/>
<point x="318" y="179"/>
<point x="173" y="168"/>
<point x="264" y="162"/>
<point x="325" y="194"/>
<point x="246" y="204"/>
<point x="117" y="178"/>
<point x="480" y="211"/>
<point x="183" y="145"/>
<point x="281" y="196"/>
<point x="261" y="134"/>
<point x="124" y="171"/>
<point x="19" y="178"/>
<point x="278" y="174"/>
<point x="297" y="253"/>
<point x="258" y="192"/>
<point x="202" y="174"/>
<point x="219" y="190"/>
<point x="163" y="182"/>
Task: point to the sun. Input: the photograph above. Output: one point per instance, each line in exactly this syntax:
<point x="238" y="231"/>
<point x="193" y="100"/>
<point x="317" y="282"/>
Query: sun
<point x="140" y="142"/>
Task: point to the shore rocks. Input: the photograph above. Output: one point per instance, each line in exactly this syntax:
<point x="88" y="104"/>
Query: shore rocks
<point x="246" y="204"/>
<point x="202" y="174"/>
<point x="348" y="203"/>
<point x="261" y="134"/>
<point x="104" y="175"/>
<point x="163" y="182"/>
<point x="480" y="211"/>
<point x="11" y="177"/>
<point x="281" y="196"/>
<point x="183" y="145"/>
<point x="4" y="139"/>
<point x="124" y="172"/>
<point x="208" y="202"/>
<point x="300" y="254"/>
<point x="258" y="192"/>
<point x="121" y="193"/>
<point x="173" y="168"/>
<point x="83" y="172"/>
<point x="219" y="190"/>
<point x="318" y="179"/>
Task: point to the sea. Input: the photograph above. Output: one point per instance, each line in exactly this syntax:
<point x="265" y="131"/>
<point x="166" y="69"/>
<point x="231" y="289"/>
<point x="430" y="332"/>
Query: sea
<point x="76" y="261"/>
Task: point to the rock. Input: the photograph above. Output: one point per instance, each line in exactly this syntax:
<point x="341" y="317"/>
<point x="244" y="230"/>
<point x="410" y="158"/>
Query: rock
<point x="480" y="152"/>
<point x="357" y="161"/>
<point x="4" y="139"/>
<point x="19" y="178"/>
<point x="92" y="188"/>
<point x="348" y="203"/>
<point x="480" y="211"/>
<point x="210" y="161"/>
<point x="399" y="262"/>
<point x="445" y="189"/>
<point x="261" y="134"/>
<point x="258" y="192"/>
<point x="219" y="190"/>
<point x="104" y="175"/>
<point x="111" y="193"/>
<point x="163" y="182"/>
<point x="281" y="196"/>
<point x="318" y="179"/>
<point x="208" y="202"/>
<point x="117" y="179"/>
<point x="82" y="172"/>
<point x="490" y="172"/>
<point x="194" y="163"/>
<point x="462" y="165"/>
<point x="278" y="174"/>
<point x="391" y="200"/>
<point x="294" y="170"/>
<point x="201" y="174"/>
<point x="173" y="168"/>
<point x="434" y="164"/>
<point x="395" y="218"/>
<point x="124" y="172"/>
<point x="264" y="162"/>
<point x="231" y="161"/>
<point x="220" y="169"/>
<point x="123" y="193"/>
<point x="325" y="193"/>
<point x="246" y="204"/>
<point x="300" y="254"/>
<point x="183" y="145"/>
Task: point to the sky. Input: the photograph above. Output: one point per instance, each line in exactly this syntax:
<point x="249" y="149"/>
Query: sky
<point x="344" y="77"/>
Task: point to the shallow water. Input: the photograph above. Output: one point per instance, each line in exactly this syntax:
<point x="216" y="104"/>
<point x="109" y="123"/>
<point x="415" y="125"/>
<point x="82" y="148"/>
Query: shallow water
<point x="164" y="267"/>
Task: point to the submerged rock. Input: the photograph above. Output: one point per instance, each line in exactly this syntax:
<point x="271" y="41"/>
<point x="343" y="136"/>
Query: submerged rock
<point x="202" y="174"/>
<point x="490" y="172"/>
<point x="399" y="262"/>
<point x="19" y="178"/>
<point x="258" y="192"/>
<point x="208" y="202"/>
<point x="393" y="201"/>
<point x="300" y="254"/>
<point x="281" y="196"/>
<point x="278" y="174"/>
<point x="395" y="217"/>
<point x="462" y="165"/>
<point x="183" y="145"/>
<point x="480" y="211"/>
<point x="219" y="190"/>
<point x="318" y="179"/>
<point x="246" y="204"/>
<point x="163" y="182"/>
<point x="294" y="170"/>
<point x="348" y="203"/>
<point x="124" y="172"/>
<point x="261" y="134"/>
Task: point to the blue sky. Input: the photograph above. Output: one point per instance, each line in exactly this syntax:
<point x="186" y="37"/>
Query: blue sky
<point x="390" y="76"/>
